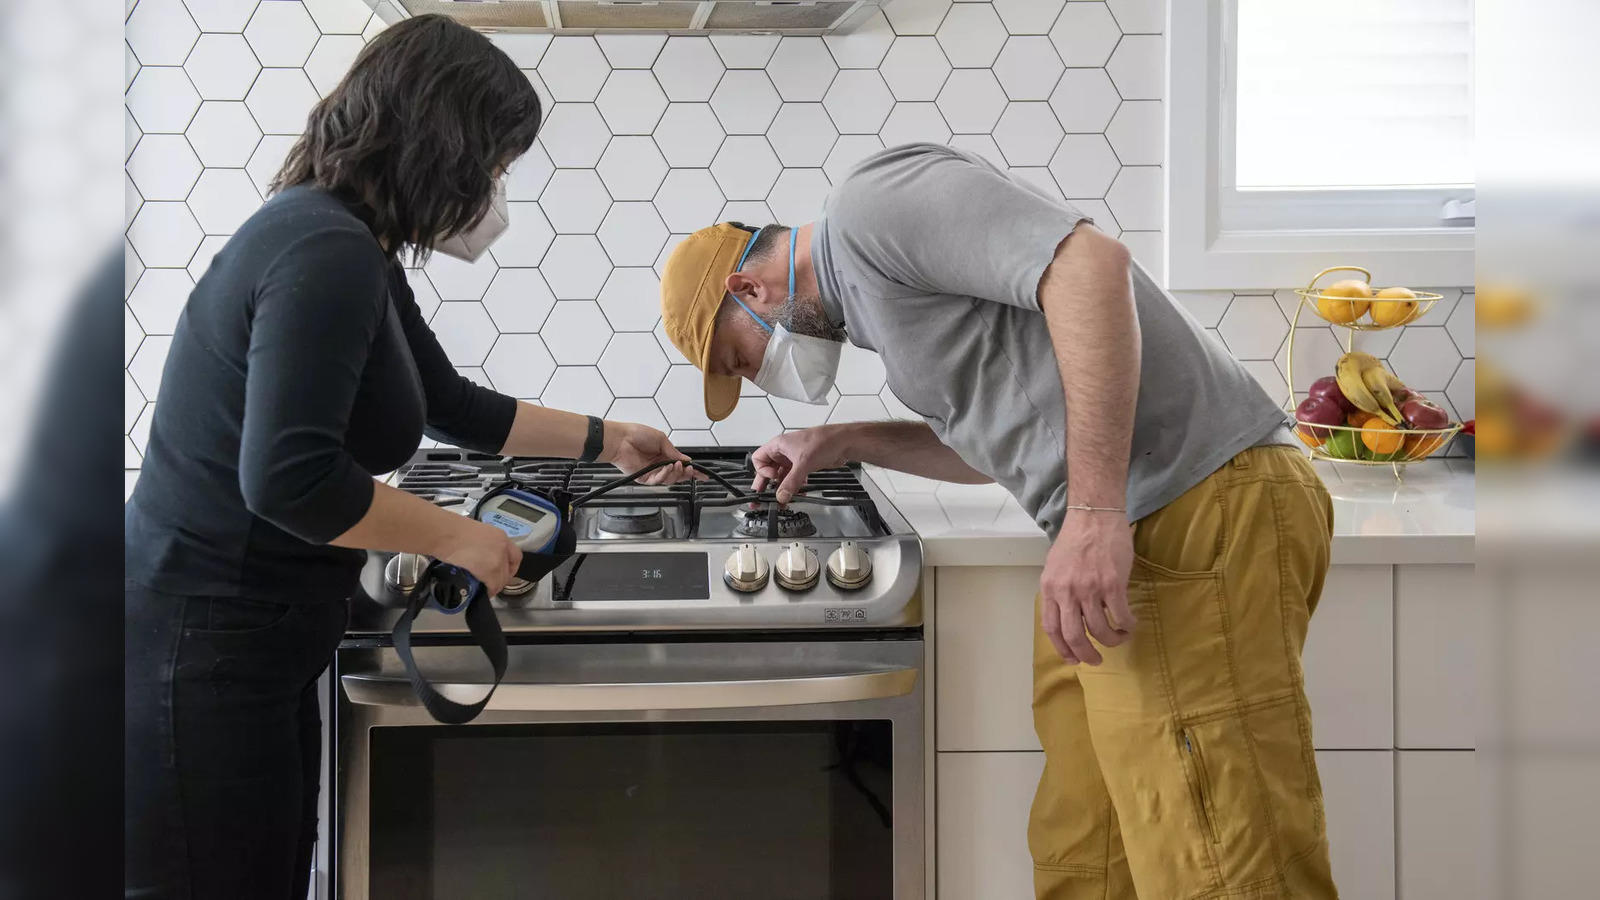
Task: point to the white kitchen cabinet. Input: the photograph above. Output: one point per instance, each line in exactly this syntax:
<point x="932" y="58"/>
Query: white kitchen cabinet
<point x="1358" y="794"/>
<point x="1436" y="645"/>
<point x="984" y="643"/>
<point x="983" y="823"/>
<point x="1437" y="808"/>
<point x="1349" y="660"/>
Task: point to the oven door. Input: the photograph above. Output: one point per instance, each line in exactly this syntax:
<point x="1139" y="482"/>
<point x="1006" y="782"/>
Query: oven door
<point x="662" y="770"/>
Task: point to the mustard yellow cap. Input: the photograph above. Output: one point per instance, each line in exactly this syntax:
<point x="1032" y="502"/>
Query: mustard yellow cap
<point x="693" y="283"/>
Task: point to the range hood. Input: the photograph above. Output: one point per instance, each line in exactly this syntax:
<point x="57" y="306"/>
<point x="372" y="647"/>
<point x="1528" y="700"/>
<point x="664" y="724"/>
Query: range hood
<point x="674" y="16"/>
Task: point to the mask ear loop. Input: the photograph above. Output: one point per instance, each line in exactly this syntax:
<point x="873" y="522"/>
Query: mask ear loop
<point x="747" y="248"/>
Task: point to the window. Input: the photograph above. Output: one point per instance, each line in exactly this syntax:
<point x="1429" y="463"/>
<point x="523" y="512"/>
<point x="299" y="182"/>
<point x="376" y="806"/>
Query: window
<point x="1304" y="134"/>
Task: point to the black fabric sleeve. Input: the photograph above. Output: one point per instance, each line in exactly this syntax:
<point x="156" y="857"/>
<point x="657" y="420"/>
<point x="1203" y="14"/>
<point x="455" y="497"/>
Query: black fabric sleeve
<point x="460" y="412"/>
<point x="314" y="316"/>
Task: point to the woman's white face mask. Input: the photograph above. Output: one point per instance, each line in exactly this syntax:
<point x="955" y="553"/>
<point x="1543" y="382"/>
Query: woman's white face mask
<point x="469" y="245"/>
<point x="795" y="367"/>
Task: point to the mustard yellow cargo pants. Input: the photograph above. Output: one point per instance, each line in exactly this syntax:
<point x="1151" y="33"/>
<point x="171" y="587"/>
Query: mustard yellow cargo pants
<point x="1181" y="767"/>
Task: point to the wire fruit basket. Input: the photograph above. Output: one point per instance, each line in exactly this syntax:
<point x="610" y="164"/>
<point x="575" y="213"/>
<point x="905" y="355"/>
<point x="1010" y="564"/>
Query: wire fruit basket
<point x="1364" y="309"/>
<point x="1365" y="437"/>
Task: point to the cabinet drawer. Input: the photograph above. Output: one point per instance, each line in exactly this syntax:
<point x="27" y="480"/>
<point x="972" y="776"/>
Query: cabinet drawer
<point x="1349" y="660"/>
<point x="983" y="633"/>
<point x="983" y="824"/>
<point x="1436" y="649"/>
<point x="984" y="636"/>
<point x="1358" y="794"/>
<point x="1440" y="844"/>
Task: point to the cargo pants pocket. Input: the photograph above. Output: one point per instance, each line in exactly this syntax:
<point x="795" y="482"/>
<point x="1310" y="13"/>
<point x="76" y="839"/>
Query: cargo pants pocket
<point x="1215" y="786"/>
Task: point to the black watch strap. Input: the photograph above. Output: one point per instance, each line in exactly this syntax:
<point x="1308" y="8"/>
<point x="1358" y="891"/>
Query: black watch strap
<point x="596" y="441"/>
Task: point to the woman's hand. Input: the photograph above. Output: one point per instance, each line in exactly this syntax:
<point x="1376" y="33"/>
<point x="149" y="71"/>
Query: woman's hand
<point x="486" y="552"/>
<point x="631" y="447"/>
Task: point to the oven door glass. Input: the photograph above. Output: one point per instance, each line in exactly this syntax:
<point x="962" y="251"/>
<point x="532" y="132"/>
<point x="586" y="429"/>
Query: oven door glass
<point x="768" y="810"/>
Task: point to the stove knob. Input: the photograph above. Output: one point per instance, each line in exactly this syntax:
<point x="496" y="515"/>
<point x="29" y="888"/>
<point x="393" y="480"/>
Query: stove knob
<point x="404" y="570"/>
<point x="746" y="570"/>
<point x="797" y="568"/>
<point x="516" y="587"/>
<point x="849" y="567"/>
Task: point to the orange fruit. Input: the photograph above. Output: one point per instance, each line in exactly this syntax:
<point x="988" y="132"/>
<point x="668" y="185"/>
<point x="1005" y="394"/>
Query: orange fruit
<point x="1333" y="305"/>
<point x="1421" y="446"/>
<point x="1309" y="436"/>
<point x="1358" y="418"/>
<point x="1394" y="306"/>
<point x="1380" y="438"/>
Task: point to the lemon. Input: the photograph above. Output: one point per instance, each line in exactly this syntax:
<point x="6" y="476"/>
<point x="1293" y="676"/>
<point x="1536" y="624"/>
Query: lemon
<point x="1394" y="306"/>
<point x="1332" y="306"/>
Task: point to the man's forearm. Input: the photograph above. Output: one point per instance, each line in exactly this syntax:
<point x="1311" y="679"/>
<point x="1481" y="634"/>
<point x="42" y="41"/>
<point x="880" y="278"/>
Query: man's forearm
<point x="1087" y="298"/>
<point x="909" y="447"/>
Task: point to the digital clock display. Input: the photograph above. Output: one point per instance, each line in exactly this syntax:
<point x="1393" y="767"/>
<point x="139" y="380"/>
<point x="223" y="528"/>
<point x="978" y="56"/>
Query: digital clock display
<point x="635" y="576"/>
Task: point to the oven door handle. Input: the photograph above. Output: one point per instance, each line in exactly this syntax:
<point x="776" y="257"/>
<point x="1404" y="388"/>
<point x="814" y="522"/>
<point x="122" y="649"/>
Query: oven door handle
<point x="829" y="687"/>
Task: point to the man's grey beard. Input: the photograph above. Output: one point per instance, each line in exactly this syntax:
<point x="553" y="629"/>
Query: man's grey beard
<point x="803" y="314"/>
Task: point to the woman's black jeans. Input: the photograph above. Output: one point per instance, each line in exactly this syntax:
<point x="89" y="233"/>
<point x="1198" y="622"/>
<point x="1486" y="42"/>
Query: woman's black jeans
<point x="223" y="744"/>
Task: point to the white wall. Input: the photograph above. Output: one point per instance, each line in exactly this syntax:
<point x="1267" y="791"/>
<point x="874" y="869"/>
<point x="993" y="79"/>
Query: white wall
<point x="650" y="138"/>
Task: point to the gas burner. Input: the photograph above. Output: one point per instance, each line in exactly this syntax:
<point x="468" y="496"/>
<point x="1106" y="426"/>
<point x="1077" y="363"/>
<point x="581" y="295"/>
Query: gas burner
<point x="631" y="520"/>
<point x="792" y="523"/>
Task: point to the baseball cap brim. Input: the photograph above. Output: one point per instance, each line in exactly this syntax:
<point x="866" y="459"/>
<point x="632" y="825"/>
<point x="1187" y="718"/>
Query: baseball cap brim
<point x="693" y="283"/>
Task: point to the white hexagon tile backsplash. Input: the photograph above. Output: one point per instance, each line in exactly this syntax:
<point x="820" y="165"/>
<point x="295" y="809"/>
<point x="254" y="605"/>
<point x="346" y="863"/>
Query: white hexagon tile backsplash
<point x="650" y="137"/>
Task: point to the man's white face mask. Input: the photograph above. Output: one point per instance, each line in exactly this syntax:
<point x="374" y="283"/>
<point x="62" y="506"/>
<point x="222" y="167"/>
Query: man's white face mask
<point x="469" y="245"/>
<point x="795" y="366"/>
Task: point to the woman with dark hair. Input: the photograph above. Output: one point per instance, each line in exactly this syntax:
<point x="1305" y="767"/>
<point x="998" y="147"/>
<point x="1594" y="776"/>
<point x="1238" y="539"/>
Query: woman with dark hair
<point x="301" y="367"/>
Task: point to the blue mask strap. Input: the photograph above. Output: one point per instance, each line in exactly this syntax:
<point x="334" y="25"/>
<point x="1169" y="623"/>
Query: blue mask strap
<point x="793" y="233"/>
<point x="749" y="244"/>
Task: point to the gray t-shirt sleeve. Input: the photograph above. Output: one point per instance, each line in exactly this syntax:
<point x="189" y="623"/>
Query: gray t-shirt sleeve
<point x="938" y="220"/>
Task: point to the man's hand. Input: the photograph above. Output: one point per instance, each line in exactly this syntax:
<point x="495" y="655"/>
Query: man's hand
<point x="1085" y="585"/>
<point x="789" y="459"/>
<point x="631" y="447"/>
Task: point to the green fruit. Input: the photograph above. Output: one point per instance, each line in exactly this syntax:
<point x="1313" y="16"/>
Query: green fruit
<point x="1345" y="445"/>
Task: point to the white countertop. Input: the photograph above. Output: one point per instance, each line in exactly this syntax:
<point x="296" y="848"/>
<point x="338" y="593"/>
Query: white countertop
<point x="1428" y="517"/>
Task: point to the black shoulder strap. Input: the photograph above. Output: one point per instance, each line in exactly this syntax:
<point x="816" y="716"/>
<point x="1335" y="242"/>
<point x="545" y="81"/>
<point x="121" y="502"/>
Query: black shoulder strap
<point x="445" y="585"/>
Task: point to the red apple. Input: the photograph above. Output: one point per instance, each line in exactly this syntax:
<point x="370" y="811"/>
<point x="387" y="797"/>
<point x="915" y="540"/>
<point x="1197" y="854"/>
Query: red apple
<point x="1319" y="411"/>
<point x="1328" y="387"/>
<point x="1419" y="412"/>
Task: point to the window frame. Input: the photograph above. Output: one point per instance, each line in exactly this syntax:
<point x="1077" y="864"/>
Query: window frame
<point x="1218" y="237"/>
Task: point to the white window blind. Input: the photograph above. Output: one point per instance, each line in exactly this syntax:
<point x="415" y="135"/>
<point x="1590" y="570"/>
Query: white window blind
<point x="1353" y="94"/>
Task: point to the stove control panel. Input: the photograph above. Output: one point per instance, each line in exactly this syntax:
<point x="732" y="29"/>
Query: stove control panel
<point x="746" y="570"/>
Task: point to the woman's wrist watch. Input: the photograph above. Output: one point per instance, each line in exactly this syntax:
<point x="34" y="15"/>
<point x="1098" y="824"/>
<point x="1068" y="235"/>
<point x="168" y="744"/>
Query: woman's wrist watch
<point x="596" y="440"/>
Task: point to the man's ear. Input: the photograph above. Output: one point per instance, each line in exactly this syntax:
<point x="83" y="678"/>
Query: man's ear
<point x="744" y="287"/>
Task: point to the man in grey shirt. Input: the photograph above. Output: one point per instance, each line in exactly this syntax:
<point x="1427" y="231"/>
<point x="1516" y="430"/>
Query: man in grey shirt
<point x="1189" y="544"/>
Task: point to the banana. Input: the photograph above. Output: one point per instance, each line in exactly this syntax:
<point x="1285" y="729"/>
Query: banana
<point x="1351" y="383"/>
<point x="1376" y="379"/>
<point x="1395" y="384"/>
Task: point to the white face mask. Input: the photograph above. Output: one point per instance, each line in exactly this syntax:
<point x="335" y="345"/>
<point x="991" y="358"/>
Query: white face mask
<point x="796" y="367"/>
<point x="469" y="245"/>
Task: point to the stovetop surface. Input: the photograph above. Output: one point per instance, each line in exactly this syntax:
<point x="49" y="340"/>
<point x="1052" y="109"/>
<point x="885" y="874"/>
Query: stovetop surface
<point x="652" y="557"/>
<point x="835" y="503"/>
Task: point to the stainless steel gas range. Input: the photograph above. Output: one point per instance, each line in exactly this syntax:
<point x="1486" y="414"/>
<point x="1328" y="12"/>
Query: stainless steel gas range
<point x="716" y="697"/>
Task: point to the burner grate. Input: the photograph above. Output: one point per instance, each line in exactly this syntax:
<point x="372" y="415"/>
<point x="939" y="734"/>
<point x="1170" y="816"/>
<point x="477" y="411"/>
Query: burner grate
<point x="454" y="478"/>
